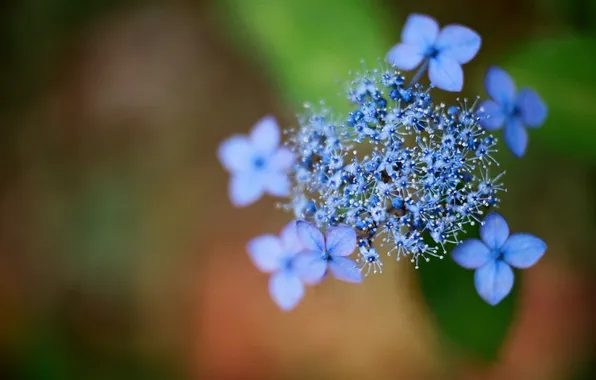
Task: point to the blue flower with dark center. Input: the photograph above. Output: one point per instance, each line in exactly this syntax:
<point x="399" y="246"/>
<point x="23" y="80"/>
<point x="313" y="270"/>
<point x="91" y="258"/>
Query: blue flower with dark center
<point x="276" y="255"/>
<point x="516" y="110"/>
<point x="444" y="51"/>
<point x="494" y="255"/>
<point x="257" y="163"/>
<point x="327" y="253"/>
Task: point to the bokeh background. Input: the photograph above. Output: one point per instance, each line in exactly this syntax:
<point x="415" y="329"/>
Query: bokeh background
<point x="122" y="258"/>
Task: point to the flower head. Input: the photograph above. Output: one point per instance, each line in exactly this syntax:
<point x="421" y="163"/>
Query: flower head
<point x="398" y="167"/>
<point x="443" y="50"/>
<point x="400" y="170"/>
<point x="257" y="163"/>
<point x="327" y="253"/>
<point x="276" y="255"/>
<point x="516" y="110"/>
<point x="494" y="255"/>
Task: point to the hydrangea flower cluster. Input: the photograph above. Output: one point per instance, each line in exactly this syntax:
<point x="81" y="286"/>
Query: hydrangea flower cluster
<point x="399" y="173"/>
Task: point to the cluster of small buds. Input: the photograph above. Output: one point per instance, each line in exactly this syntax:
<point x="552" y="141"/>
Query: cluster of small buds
<point x="398" y="172"/>
<point x="397" y="167"/>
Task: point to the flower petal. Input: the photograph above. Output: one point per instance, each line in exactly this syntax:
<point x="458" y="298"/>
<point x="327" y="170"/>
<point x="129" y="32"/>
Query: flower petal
<point x="494" y="231"/>
<point x="286" y="289"/>
<point x="493" y="281"/>
<point x="345" y="269"/>
<point x="471" y="254"/>
<point x="491" y="115"/>
<point x="277" y="184"/>
<point x="459" y="43"/>
<point x="531" y="107"/>
<point x="516" y="137"/>
<point x="245" y="189"/>
<point x="500" y="86"/>
<point x="523" y="250"/>
<point x="235" y="153"/>
<point x="420" y="30"/>
<point x="266" y="252"/>
<point x="310" y="236"/>
<point x="340" y="241"/>
<point x="405" y="56"/>
<point x="282" y="160"/>
<point x="446" y="74"/>
<point x="289" y="238"/>
<point x="310" y="267"/>
<point x="265" y="135"/>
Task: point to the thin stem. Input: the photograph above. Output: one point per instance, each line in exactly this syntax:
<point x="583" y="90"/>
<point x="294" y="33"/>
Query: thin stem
<point x="419" y="73"/>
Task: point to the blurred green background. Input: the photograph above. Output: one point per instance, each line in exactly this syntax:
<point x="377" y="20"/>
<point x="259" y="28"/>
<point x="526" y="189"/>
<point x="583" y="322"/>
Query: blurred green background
<point x="122" y="258"/>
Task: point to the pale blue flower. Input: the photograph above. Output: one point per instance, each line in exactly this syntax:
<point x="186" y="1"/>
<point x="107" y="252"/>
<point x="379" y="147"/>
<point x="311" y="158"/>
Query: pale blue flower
<point x="443" y="50"/>
<point x="257" y="163"/>
<point x="516" y="110"/>
<point x="327" y="253"/>
<point x="276" y="255"/>
<point x="494" y="255"/>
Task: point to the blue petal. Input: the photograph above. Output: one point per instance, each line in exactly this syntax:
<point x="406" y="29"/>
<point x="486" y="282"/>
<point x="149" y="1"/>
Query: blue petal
<point x="289" y="238"/>
<point x="310" y="267"/>
<point x="420" y="30"/>
<point x="532" y="109"/>
<point x="266" y="252"/>
<point x="516" y="137"/>
<point x="446" y="74"/>
<point x="276" y="184"/>
<point x="471" y="254"/>
<point x="245" y="189"/>
<point x="523" y="250"/>
<point x="493" y="281"/>
<point x="265" y="135"/>
<point x="405" y="56"/>
<point x="458" y="43"/>
<point x="282" y="160"/>
<point x="500" y="86"/>
<point x="491" y="115"/>
<point x="235" y="153"/>
<point x="494" y="231"/>
<point x="286" y="289"/>
<point x="345" y="269"/>
<point x="310" y="236"/>
<point x="341" y="241"/>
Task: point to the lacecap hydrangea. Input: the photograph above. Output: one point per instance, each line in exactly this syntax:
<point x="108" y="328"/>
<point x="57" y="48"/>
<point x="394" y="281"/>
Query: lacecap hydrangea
<point x="398" y="177"/>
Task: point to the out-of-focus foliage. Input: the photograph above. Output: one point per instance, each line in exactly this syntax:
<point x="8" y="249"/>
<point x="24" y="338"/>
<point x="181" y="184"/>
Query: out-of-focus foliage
<point x="470" y="325"/>
<point x="34" y="34"/>
<point x="311" y="45"/>
<point x="579" y="14"/>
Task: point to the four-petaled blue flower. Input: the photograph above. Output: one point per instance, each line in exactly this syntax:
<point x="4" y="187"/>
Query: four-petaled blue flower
<point x="322" y="253"/>
<point x="257" y="163"/>
<point x="444" y="51"/>
<point x="495" y="254"/>
<point x="512" y="109"/>
<point x="276" y="255"/>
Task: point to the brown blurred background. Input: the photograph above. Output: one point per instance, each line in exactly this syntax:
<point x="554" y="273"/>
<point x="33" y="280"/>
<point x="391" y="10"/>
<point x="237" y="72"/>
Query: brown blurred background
<point x="122" y="258"/>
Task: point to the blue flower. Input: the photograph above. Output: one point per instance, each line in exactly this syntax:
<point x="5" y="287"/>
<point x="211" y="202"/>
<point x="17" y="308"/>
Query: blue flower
<point x="322" y="253"/>
<point x="495" y="254"/>
<point x="514" y="109"/>
<point x="444" y="51"/>
<point x="276" y="255"/>
<point x="257" y="163"/>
